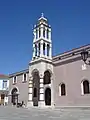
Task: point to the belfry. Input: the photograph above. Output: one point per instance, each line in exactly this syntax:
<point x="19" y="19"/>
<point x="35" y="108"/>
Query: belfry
<point x="40" y="67"/>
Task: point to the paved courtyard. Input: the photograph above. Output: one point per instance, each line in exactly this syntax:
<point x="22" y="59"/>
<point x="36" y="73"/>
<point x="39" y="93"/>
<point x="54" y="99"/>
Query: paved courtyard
<point x="11" y="113"/>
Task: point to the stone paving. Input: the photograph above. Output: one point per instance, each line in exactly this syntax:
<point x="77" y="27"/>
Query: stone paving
<point x="12" y="113"/>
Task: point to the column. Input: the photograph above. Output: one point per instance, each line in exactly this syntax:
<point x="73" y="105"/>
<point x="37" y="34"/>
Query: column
<point x="30" y="89"/>
<point x="41" y="31"/>
<point x="38" y="33"/>
<point x="52" y="92"/>
<point x="50" y="34"/>
<point x="41" y="90"/>
<point x="45" y="33"/>
<point x="45" y="49"/>
<point x="37" y="50"/>
<point x="33" y="51"/>
<point x="50" y="51"/>
<point x="41" y="50"/>
<point x="41" y="97"/>
<point x="34" y="32"/>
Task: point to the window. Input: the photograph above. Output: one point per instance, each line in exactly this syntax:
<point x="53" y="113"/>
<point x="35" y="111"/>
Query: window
<point x="4" y="83"/>
<point x="62" y="90"/>
<point x="48" y="49"/>
<point x="35" y="50"/>
<point x="47" y="77"/>
<point x="86" y="87"/>
<point x="24" y="77"/>
<point x="43" y="48"/>
<point x="44" y="32"/>
<point x="14" y="80"/>
<point x="35" y="92"/>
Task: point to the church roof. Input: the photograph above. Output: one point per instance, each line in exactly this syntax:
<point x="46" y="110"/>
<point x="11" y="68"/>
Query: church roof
<point x="19" y="72"/>
<point x="71" y="53"/>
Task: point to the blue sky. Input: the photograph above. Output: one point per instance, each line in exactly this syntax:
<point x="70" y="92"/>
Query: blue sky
<point x="69" y="19"/>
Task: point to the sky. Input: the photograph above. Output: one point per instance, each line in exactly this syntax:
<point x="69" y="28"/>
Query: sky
<point x="69" y="19"/>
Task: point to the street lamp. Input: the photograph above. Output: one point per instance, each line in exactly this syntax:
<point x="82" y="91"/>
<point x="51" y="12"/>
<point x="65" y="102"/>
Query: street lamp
<point x="84" y="55"/>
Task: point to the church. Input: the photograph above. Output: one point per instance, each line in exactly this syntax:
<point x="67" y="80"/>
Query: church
<point x="52" y="81"/>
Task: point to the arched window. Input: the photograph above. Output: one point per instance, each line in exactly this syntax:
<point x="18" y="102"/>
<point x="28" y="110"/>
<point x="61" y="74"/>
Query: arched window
<point x="47" y="77"/>
<point x="35" y="50"/>
<point x="48" y="49"/>
<point x="86" y="87"/>
<point x="62" y="90"/>
<point x="44" y="32"/>
<point x="35" y="92"/>
<point x="39" y="49"/>
<point x="43" y="48"/>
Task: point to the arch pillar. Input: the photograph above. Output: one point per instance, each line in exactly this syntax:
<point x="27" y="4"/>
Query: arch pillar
<point x="41" y="97"/>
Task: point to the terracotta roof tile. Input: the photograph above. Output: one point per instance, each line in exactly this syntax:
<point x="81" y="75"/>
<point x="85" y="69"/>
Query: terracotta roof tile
<point x="4" y="76"/>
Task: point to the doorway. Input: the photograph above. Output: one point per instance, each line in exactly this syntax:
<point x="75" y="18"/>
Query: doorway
<point x="2" y="98"/>
<point x="14" y="99"/>
<point x="48" y="96"/>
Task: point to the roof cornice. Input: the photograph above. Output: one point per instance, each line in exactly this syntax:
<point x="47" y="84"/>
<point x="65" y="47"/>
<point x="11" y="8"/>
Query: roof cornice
<point x="69" y="54"/>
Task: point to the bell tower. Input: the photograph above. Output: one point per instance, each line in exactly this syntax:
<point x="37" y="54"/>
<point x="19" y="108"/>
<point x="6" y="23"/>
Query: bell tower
<point x="41" y="67"/>
<point x="42" y="45"/>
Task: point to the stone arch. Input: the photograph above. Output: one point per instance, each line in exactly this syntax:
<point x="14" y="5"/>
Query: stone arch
<point x="47" y="96"/>
<point x="12" y="89"/>
<point x="14" y="95"/>
<point x="34" y="71"/>
<point x="47" y="77"/>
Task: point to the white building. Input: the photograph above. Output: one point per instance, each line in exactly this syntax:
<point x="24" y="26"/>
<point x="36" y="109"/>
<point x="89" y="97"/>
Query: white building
<point x="4" y="88"/>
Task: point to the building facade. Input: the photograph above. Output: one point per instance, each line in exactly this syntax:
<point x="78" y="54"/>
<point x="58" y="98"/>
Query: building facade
<point x="61" y="80"/>
<point x="18" y="87"/>
<point x="4" y="89"/>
